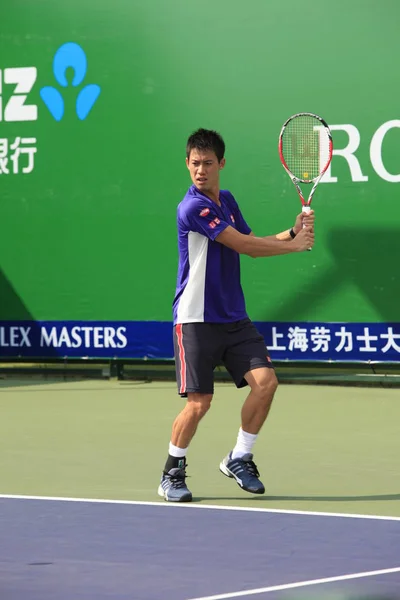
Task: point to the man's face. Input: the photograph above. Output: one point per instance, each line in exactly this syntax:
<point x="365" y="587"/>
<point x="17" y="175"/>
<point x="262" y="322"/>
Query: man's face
<point x="204" y="169"/>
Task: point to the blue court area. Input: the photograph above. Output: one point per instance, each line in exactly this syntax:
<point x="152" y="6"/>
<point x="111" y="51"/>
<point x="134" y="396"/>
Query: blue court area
<point x="85" y="550"/>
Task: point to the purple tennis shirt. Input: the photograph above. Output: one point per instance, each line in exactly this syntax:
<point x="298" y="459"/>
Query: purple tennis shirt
<point x="208" y="288"/>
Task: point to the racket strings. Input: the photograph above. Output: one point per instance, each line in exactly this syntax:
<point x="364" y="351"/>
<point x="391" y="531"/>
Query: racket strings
<point x="305" y="147"/>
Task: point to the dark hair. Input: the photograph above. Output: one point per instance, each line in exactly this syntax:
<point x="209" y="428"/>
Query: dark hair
<point x="206" y="139"/>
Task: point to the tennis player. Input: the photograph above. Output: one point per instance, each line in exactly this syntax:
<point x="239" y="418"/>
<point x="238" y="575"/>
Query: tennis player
<point x="211" y="325"/>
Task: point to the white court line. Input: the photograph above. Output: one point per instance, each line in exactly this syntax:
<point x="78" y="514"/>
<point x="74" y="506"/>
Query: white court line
<point x="198" y="506"/>
<point x="289" y="586"/>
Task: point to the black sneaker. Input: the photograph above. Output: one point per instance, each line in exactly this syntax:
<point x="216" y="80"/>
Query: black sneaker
<point x="173" y="486"/>
<point x="244" y="471"/>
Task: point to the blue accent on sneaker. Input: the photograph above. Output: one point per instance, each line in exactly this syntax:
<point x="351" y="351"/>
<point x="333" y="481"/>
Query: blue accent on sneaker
<point x="173" y="486"/>
<point x="244" y="471"/>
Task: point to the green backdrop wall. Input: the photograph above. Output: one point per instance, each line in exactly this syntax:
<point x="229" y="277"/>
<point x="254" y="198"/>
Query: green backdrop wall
<point x="89" y="232"/>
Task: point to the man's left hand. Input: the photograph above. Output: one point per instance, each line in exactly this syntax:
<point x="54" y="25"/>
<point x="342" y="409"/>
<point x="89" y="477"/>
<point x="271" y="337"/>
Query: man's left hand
<point x="304" y="219"/>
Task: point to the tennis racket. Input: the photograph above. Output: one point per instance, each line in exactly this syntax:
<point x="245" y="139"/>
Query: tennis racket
<point x="305" y="150"/>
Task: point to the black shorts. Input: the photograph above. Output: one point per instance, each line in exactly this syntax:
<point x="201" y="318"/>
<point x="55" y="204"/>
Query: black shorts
<point x="200" y="347"/>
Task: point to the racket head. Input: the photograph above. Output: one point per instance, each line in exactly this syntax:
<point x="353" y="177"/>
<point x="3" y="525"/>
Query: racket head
<point x="305" y="147"/>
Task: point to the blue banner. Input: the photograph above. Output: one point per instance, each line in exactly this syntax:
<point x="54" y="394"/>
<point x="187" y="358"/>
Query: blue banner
<point x="337" y="342"/>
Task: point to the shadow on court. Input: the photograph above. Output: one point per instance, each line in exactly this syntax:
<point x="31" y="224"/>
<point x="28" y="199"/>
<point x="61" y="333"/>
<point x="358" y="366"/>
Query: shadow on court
<point x="364" y="259"/>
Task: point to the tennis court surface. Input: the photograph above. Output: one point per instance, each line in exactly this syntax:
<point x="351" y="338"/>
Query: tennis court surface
<point x="80" y="517"/>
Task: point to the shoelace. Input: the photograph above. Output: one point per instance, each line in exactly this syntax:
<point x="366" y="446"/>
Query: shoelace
<point x="251" y="468"/>
<point x="178" y="480"/>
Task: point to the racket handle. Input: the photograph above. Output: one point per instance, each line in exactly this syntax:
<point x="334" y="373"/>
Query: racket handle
<point x="306" y="209"/>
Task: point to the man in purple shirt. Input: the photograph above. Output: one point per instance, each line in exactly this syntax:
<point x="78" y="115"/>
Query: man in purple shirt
<point x="211" y="325"/>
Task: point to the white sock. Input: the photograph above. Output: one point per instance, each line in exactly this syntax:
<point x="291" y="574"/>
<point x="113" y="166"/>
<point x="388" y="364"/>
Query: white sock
<point x="176" y="452"/>
<point x="244" y="444"/>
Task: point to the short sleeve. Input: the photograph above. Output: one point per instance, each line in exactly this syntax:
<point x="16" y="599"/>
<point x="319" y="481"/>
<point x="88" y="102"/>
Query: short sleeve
<point x="204" y="219"/>
<point x="240" y="223"/>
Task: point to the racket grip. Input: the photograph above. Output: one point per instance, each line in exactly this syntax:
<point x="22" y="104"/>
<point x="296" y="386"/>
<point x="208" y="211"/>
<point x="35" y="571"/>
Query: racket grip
<point x="306" y="209"/>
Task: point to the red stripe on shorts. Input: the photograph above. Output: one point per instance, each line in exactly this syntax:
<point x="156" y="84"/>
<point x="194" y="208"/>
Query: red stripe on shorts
<point x="182" y="369"/>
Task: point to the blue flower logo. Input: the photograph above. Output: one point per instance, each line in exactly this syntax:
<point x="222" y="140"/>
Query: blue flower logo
<point x="70" y="55"/>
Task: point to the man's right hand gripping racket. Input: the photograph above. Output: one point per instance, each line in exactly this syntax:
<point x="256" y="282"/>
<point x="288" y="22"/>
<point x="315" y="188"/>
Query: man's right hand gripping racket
<point x="305" y="150"/>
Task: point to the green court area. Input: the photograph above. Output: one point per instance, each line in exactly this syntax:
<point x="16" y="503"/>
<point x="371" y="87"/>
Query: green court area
<point x="323" y="448"/>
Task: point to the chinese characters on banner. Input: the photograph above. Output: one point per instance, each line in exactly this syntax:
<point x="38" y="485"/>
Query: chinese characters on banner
<point x="17" y="155"/>
<point x="332" y="341"/>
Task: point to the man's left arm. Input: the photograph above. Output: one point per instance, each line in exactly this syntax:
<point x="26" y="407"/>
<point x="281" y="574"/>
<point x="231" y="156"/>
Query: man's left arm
<point x="303" y="219"/>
